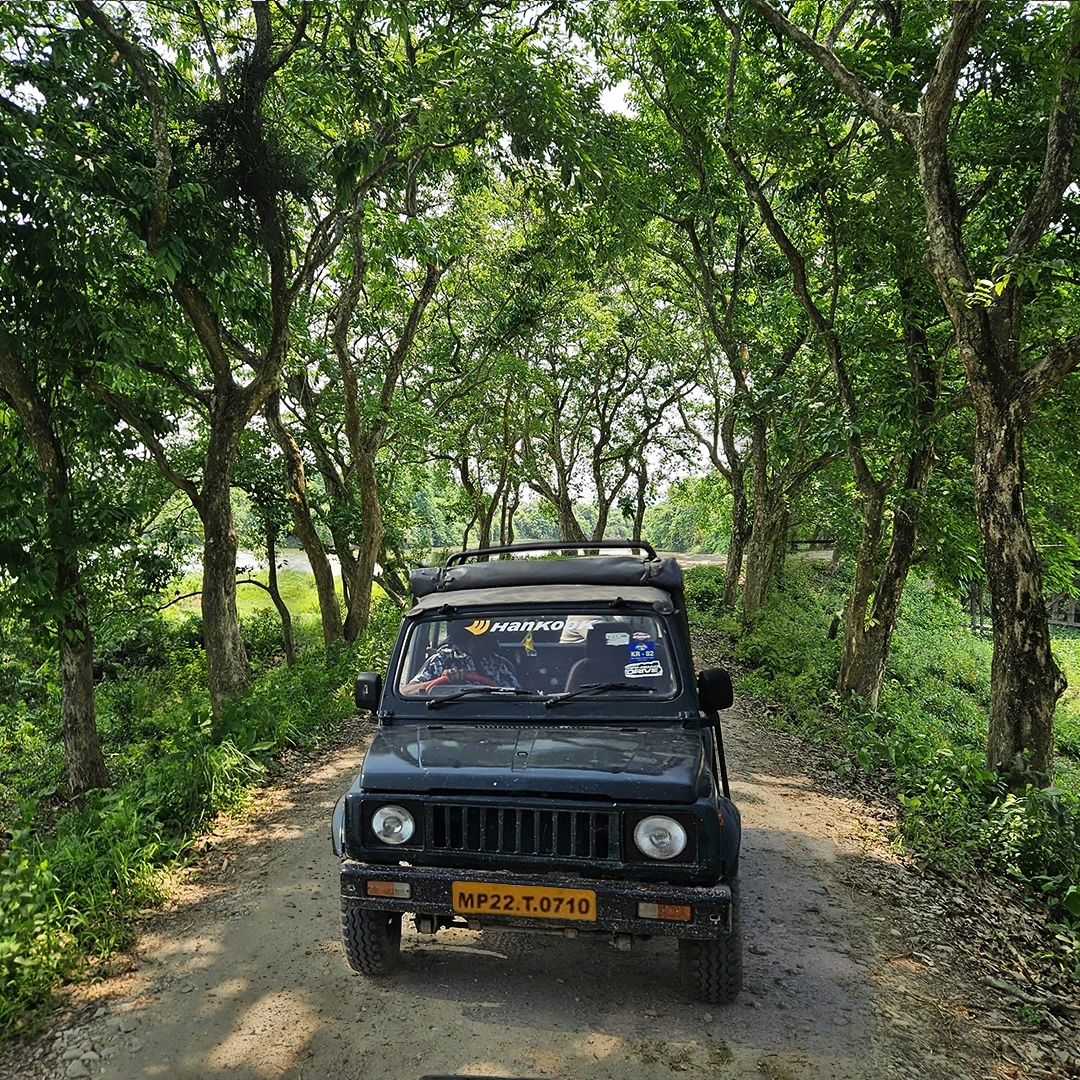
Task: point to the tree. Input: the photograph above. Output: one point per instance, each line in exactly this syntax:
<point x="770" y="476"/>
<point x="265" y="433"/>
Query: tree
<point x="44" y="433"/>
<point x="64" y="466"/>
<point x="225" y="164"/>
<point x="754" y="358"/>
<point x="859" y="344"/>
<point x="991" y="273"/>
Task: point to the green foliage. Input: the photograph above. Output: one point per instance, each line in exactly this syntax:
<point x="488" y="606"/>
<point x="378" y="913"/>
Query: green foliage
<point x="704" y="590"/>
<point x="72" y="876"/>
<point x="695" y="516"/>
<point x="928" y="735"/>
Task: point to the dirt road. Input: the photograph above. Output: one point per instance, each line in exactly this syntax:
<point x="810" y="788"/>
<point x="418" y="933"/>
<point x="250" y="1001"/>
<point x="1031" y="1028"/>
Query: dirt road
<point x="244" y="976"/>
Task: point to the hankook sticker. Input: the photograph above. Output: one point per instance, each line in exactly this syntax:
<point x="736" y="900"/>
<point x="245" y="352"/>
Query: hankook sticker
<point x="516" y="626"/>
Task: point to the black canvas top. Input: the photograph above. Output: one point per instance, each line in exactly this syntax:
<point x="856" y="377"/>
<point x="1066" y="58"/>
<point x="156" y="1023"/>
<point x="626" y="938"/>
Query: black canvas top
<point x="522" y="596"/>
<point x="622" y="570"/>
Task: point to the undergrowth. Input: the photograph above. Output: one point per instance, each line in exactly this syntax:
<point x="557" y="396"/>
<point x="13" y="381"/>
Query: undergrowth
<point x="72" y="875"/>
<point x="928" y="734"/>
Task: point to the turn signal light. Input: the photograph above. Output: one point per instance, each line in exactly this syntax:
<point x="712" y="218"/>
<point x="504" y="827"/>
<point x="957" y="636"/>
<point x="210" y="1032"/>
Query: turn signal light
<point x="400" y="890"/>
<point x="667" y="912"/>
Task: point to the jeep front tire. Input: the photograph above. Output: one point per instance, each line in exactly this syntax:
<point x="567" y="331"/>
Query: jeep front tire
<point x="711" y="968"/>
<point x="372" y="939"/>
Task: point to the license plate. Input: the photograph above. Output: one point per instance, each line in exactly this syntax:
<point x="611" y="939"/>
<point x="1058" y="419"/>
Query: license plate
<point x="471" y="898"/>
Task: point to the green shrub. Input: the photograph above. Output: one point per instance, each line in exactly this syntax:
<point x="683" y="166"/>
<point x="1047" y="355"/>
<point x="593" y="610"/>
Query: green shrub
<point x="928" y="735"/>
<point x="34" y="950"/>
<point x="71" y="880"/>
<point x="704" y="589"/>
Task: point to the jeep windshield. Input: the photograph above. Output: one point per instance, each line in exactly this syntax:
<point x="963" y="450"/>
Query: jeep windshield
<point x="554" y="655"/>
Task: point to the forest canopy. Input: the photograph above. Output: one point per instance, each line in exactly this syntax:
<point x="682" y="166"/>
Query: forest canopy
<point x="378" y="279"/>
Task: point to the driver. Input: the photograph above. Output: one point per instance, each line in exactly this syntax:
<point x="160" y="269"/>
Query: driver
<point x="462" y="653"/>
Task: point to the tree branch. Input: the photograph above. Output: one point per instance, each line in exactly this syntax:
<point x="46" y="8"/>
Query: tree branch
<point x="299" y="29"/>
<point x="31" y="409"/>
<point x="150" y="440"/>
<point x="211" y="51"/>
<point x="1057" y="164"/>
<point x="207" y="329"/>
<point x="884" y="112"/>
<point x="1039" y="380"/>
<point x="159" y="116"/>
<point x="182" y="384"/>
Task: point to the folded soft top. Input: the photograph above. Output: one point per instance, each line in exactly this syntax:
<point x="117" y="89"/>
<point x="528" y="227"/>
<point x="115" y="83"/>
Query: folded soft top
<point x="590" y="570"/>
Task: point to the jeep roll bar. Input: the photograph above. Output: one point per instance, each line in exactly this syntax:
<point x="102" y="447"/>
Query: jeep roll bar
<point x="554" y="545"/>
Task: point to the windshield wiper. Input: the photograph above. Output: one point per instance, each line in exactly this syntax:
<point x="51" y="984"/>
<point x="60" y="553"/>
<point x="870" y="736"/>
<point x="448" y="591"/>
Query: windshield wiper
<point x="596" y="688"/>
<point x="475" y="691"/>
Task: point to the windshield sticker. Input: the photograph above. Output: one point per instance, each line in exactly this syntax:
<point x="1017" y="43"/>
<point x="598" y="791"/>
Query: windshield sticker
<point x="487" y="626"/>
<point x="642" y="662"/>
<point x="641" y="635"/>
<point x="647" y="669"/>
<point x="617" y="639"/>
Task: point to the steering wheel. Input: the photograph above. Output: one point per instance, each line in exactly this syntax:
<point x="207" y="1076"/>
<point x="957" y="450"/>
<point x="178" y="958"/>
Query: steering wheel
<point x="468" y="677"/>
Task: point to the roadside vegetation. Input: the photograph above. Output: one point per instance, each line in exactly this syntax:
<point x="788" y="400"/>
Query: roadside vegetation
<point x="927" y="738"/>
<point x="76" y="872"/>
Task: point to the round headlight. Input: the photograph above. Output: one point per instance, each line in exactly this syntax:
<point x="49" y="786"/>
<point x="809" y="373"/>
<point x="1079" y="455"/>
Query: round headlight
<point x="659" y="837"/>
<point x="393" y="824"/>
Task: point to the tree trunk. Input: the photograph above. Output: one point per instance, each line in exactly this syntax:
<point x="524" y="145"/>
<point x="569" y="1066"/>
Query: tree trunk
<point x="226" y="659"/>
<point x="372" y="532"/>
<point x="569" y="526"/>
<point x="1025" y="682"/>
<point x="768" y="533"/>
<point x="734" y="563"/>
<point x="867" y="640"/>
<point x="868" y="635"/>
<point x="764" y="553"/>
<point x="83" y="760"/>
<point x="641" y="492"/>
<point x="275" y="595"/>
<point x="84" y="763"/>
<point x="510" y="500"/>
<point x="862" y="662"/>
<point x="304" y="527"/>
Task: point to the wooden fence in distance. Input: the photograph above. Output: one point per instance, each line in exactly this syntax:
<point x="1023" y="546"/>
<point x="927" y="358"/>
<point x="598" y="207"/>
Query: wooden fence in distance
<point x="1062" y="609"/>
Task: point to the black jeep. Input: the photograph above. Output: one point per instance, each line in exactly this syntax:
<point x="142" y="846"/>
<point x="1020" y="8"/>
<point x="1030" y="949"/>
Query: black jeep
<point x="545" y="759"/>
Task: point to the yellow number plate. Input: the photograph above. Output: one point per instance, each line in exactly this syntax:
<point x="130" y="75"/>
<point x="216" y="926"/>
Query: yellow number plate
<point x="471" y="898"/>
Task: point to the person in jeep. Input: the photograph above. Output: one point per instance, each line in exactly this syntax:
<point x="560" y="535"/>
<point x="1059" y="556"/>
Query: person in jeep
<point x="464" y="657"/>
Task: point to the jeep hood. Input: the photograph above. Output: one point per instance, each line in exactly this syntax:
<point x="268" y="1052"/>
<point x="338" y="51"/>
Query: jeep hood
<point x="654" y="764"/>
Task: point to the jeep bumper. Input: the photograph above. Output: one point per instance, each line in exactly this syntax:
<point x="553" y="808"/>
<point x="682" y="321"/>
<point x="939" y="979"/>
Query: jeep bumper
<point x="618" y="903"/>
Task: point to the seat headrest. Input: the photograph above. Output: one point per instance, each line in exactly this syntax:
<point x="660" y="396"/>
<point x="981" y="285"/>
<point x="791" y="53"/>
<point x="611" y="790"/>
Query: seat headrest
<point x="608" y="639"/>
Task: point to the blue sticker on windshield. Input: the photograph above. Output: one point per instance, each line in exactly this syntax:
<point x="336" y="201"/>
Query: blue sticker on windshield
<point x="642" y="662"/>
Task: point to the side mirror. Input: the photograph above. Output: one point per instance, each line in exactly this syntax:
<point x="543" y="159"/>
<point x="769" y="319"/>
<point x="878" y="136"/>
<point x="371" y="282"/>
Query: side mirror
<point x="368" y="690"/>
<point x="715" y="691"/>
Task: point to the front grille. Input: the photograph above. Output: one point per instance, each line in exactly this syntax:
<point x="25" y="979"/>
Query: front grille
<point x="589" y="835"/>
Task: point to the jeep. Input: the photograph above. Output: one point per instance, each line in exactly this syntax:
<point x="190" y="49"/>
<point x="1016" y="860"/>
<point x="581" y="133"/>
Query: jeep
<point x="545" y="760"/>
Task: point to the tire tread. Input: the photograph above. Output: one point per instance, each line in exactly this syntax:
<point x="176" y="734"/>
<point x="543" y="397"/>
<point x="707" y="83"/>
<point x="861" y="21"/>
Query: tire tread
<point x="372" y="939"/>
<point x="711" y="968"/>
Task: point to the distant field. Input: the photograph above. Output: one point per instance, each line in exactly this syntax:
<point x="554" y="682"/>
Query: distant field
<point x="297" y="590"/>
<point x="1067" y="717"/>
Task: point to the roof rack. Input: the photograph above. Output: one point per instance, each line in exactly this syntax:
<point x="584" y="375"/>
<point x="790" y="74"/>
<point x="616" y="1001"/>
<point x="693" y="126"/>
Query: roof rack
<point x="554" y="545"/>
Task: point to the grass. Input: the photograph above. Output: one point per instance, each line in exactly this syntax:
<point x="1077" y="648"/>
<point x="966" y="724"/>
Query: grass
<point x="74" y="874"/>
<point x="297" y="590"/>
<point x="928" y="736"/>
